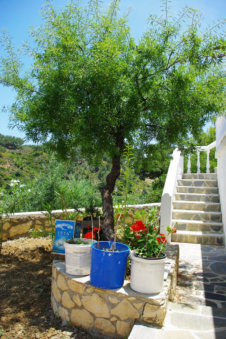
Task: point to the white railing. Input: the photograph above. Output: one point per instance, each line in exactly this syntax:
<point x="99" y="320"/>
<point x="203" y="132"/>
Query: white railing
<point x="201" y="149"/>
<point x="175" y="172"/>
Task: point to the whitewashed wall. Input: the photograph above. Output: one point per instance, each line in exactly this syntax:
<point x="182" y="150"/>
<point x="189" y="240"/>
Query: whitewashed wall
<point x="221" y="164"/>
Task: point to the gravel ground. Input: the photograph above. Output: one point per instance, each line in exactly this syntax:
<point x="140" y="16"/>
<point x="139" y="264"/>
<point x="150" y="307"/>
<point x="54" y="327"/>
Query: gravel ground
<point x="25" y="288"/>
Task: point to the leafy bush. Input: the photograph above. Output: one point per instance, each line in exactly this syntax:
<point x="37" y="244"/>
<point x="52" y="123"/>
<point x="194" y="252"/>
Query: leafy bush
<point x="39" y="233"/>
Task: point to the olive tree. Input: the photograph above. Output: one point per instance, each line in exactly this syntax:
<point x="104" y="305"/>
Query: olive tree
<point x="92" y="88"/>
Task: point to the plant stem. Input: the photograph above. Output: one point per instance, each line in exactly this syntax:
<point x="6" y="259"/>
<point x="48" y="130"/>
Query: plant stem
<point x="92" y="225"/>
<point x="98" y="233"/>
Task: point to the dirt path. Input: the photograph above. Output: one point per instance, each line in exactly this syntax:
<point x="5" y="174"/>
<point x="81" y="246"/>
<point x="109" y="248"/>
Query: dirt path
<point x="25" y="288"/>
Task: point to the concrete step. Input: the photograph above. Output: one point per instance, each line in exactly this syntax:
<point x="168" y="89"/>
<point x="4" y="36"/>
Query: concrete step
<point x="198" y="237"/>
<point x="196" y="215"/>
<point x="185" y="322"/>
<point x="197" y="197"/>
<point x="197" y="182"/>
<point x="198" y="225"/>
<point x="194" y="189"/>
<point x="197" y="205"/>
<point x="210" y="176"/>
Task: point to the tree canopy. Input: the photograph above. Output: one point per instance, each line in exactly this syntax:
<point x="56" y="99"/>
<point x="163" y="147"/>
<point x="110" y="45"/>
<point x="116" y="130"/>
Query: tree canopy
<point x="93" y="88"/>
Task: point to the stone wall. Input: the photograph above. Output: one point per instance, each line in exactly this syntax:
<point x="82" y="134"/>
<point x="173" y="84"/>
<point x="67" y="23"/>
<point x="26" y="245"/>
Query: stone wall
<point x="19" y="224"/>
<point x="110" y="313"/>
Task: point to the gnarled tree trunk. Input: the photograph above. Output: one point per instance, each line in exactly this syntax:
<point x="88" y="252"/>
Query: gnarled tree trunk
<point x="106" y="192"/>
<point x="107" y="202"/>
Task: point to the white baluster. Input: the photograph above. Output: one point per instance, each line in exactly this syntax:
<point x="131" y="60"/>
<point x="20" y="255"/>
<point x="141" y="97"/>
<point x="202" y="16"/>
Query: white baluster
<point x="208" y="161"/>
<point x="198" y="162"/>
<point x="189" y="163"/>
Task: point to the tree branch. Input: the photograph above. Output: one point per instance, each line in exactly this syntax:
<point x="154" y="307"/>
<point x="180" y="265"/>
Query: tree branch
<point x="19" y="85"/>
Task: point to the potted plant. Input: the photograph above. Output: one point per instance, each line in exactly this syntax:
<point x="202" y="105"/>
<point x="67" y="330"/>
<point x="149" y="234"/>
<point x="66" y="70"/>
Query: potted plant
<point x="78" y="251"/>
<point x="147" y="256"/>
<point x="108" y="264"/>
<point x="77" y="256"/>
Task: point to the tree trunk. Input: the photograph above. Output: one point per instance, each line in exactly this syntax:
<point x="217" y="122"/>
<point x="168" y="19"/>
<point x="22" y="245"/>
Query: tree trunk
<point x="107" y="202"/>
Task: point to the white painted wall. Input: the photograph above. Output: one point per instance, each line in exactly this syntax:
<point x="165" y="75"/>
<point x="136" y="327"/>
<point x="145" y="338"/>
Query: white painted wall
<point x="221" y="164"/>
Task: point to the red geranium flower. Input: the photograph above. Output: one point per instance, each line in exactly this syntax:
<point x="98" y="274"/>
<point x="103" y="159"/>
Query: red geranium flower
<point x="89" y="235"/>
<point x="138" y="226"/>
<point x="161" y="238"/>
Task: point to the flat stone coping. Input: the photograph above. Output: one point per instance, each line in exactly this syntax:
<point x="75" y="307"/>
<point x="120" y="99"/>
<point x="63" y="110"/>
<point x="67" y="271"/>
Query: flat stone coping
<point x="158" y="299"/>
<point x="44" y="213"/>
<point x="110" y="312"/>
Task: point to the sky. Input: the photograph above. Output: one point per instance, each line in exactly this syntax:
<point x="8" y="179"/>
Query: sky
<point x="18" y="16"/>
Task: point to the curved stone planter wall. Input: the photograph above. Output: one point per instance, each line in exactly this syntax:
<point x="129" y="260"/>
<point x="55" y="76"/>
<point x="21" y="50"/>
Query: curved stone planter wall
<point x="19" y="224"/>
<point x="110" y="313"/>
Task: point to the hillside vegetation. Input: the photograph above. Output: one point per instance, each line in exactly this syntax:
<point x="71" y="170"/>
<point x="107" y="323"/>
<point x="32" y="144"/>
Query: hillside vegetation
<point x="32" y="179"/>
<point x="21" y="163"/>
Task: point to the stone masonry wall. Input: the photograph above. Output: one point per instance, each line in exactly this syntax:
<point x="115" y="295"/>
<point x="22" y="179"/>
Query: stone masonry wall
<point x="19" y="224"/>
<point x="110" y="313"/>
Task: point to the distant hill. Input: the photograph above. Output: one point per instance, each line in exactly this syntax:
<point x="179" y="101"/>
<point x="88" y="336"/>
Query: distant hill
<point x="18" y="161"/>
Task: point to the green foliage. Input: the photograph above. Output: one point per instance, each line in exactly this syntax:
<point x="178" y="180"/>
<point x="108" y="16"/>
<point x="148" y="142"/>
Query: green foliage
<point x="145" y="238"/>
<point x="152" y="161"/>
<point x="204" y="139"/>
<point x="10" y="142"/>
<point x="42" y="193"/>
<point x="128" y="179"/>
<point x="39" y="233"/>
<point x="87" y="68"/>
<point x="91" y="89"/>
<point x="23" y="163"/>
<point x="47" y="184"/>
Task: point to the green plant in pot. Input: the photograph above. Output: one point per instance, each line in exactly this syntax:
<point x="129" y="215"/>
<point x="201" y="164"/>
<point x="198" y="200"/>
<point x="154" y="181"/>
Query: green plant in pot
<point x="77" y="256"/>
<point x="147" y="256"/>
<point x="108" y="262"/>
<point x="78" y="251"/>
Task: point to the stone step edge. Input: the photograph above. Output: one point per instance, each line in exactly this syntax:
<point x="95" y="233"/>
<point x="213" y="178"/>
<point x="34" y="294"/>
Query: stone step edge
<point x="145" y="331"/>
<point x="197" y="202"/>
<point x="205" y="174"/>
<point x="196" y="211"/>
<point x="197" y="222"/>
<point x="199" y="233"/>
<point x="203" y="187"/>
<point x="198" y="194"/>
<point x="197" y="179"/>
<point x="199" y="309"/>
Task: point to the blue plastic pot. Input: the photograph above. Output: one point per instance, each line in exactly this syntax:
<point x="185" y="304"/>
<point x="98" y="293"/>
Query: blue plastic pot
<point x="108" y="268"/>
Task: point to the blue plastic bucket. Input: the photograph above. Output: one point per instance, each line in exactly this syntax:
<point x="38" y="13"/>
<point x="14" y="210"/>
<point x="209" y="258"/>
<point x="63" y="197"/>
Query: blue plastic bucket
<point x="108" y="268"/>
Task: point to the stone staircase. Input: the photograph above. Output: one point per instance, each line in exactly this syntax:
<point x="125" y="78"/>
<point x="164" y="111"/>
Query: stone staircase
<point x="197" y="210"/>
<point x="199" y="310"/>
<point x="185" y="322"/>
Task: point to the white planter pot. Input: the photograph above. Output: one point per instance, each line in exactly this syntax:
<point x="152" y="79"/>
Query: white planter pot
<point x="147" y="275"/>
<point x="78" y="258"/>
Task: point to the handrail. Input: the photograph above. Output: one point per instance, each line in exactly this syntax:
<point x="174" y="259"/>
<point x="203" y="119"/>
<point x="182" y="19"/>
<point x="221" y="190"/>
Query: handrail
<point x="175" y="172"/>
